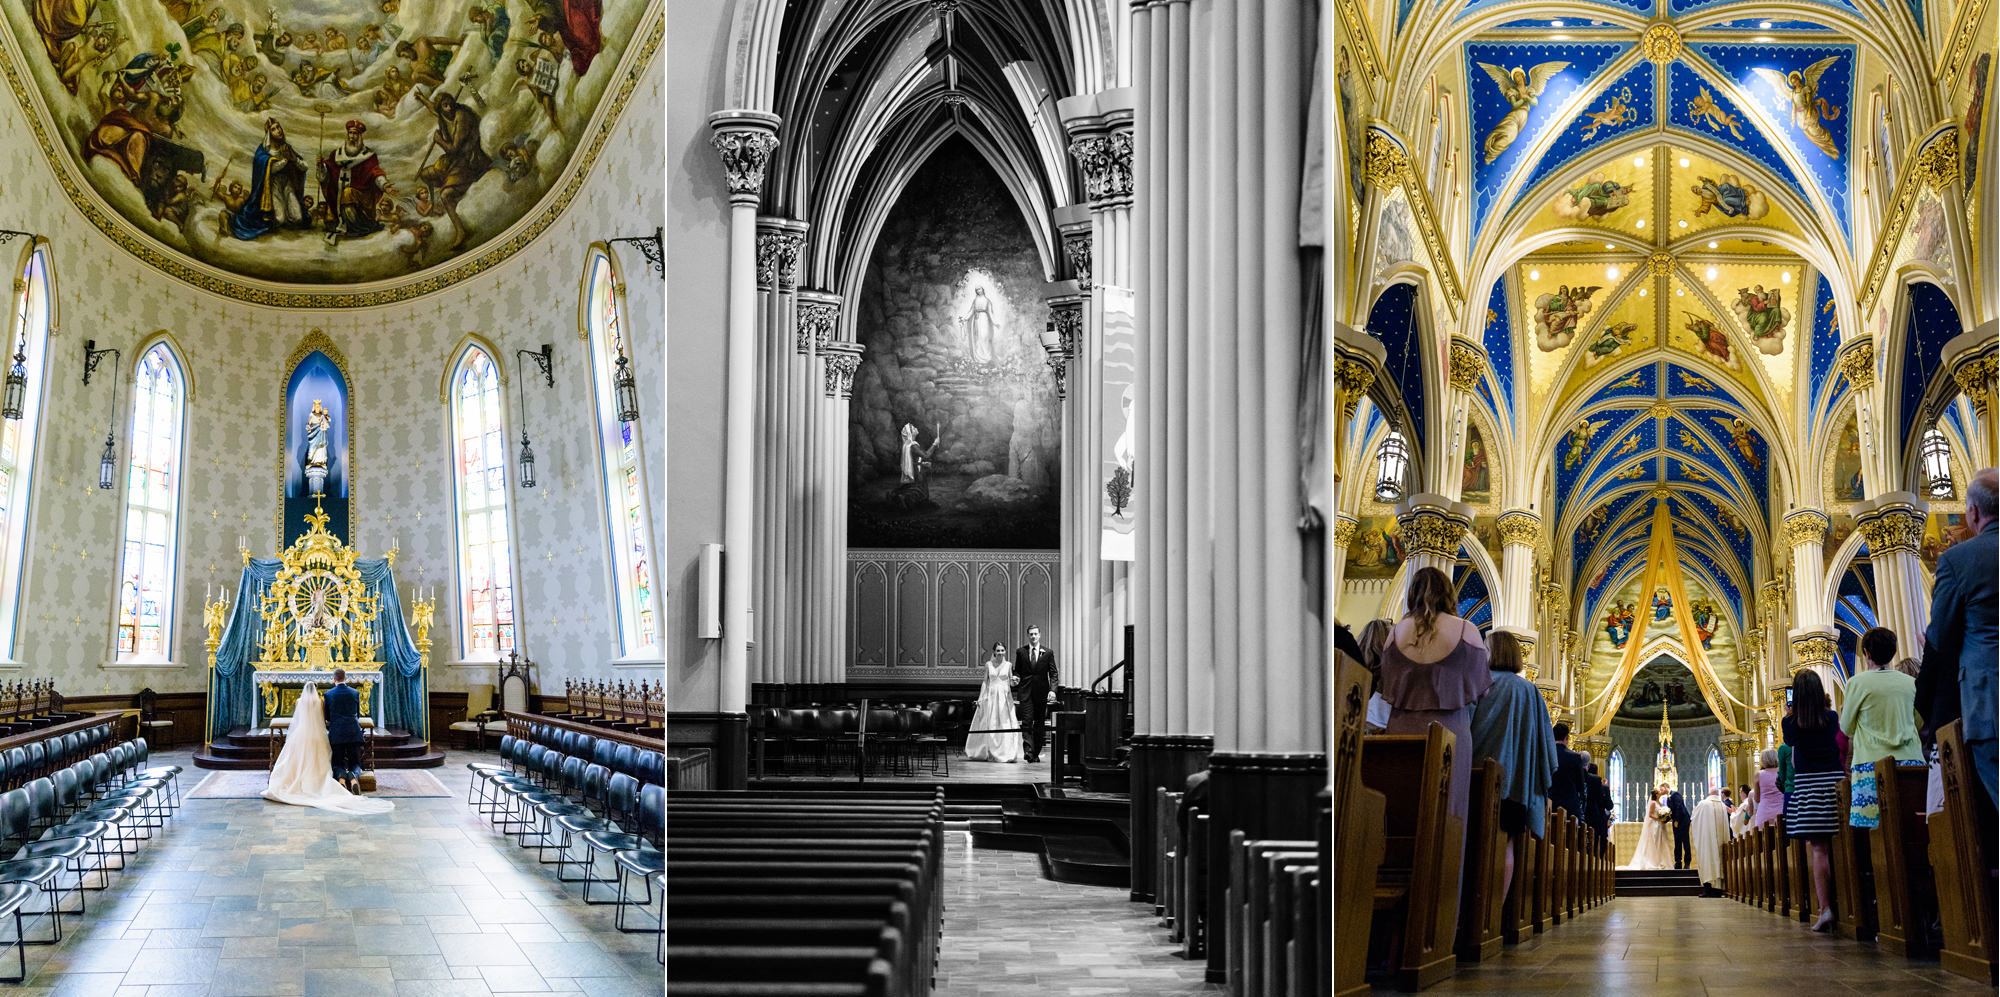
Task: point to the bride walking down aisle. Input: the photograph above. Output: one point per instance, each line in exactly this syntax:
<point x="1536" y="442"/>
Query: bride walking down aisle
<point x="303" y="774"/>
<point x="996" y="711"/>
<point x="1656" y="845"/>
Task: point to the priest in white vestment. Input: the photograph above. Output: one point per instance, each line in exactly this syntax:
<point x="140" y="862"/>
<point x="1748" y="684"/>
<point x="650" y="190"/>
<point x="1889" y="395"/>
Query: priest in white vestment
<point x="1708" y="830"/>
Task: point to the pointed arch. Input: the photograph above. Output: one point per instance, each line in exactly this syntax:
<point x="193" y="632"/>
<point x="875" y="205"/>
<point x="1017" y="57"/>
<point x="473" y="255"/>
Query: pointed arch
<point x="628" y="518"/>
<point x="31" y="324"/>
<point x="482" y="503"/>
<point x="147" y="597"/>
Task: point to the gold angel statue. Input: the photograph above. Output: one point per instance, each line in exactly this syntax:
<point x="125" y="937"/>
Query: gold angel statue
<point x="1808" y="107"/>
<point x="1521" y="88"/>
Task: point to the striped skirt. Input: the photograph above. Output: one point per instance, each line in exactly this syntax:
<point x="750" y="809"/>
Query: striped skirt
<point x="1864" y="806"/>
<point x="1812" y="807"/>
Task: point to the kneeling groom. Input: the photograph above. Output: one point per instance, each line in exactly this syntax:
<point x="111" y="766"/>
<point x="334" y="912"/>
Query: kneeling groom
<point x="343" y="731"/>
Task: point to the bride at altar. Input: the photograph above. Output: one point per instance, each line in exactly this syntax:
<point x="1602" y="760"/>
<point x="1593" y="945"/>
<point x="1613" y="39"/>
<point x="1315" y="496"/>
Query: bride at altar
<point x="1656" y="843"/>
<point x="303" y="774"/>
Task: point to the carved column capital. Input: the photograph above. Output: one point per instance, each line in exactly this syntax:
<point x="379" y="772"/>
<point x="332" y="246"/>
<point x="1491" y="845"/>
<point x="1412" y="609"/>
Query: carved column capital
<point x="1893" y="529"/>
<point x="1857" y="361"/>
<point x="1937" y="164"/>
<point x="1386" y="165"/>
<point x="1806" y="526"/>
<point x="1519" y="527"/>
<point x="1976" y="375"/>
<point x="1106" y="161"/>
<point x="778" y="246"/>
<point x="1432" y="531"/>
<point x="744" y="140"/>
<point x="1343" y="530"/>
<point x="1468" y="364"/>
<point x="842" y="360"/>
<point x="1077" y="249"/>
<point x="1810" y="649"/>
<point x="819" y="321"/>
<point x="1353" y="379"/>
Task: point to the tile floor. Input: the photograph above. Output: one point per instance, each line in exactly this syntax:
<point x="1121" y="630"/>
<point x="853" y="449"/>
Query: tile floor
<point x="1693" y="945"/>
<point x="1010" y="932"/>
<point x="243" y="898"/>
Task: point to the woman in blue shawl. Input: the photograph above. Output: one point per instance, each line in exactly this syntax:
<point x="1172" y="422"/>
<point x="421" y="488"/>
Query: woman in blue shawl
<point x="1510" y="724"/>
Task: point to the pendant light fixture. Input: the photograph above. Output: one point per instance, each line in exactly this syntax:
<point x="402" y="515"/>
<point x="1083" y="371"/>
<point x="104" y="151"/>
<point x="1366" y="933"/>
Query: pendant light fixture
<point x="17" y="382"/>
<point x="107" y="465"/>
<point x="545" y="359"/>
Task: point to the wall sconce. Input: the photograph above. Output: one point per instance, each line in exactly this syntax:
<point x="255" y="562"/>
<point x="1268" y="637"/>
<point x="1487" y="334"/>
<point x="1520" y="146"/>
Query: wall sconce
<point x="17" y="383"/>
<point x="625" y="391"/>
<point x="107" y="465"/>
<point x="545" y="359"/>
<point x="651" y="247"/>
<point x="1058" y="361"/>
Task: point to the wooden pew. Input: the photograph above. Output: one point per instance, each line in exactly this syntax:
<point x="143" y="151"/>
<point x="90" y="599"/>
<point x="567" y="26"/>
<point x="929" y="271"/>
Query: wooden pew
<point x="1358" y="812"/>
<point x="1539" y="882"/>
<point x="1801" y="886"/>
<point x="1853" y="886"/>
<point x="1555" y="843"/>
<point x="1416" y="902"/>
<point x="1899" y="849"/>
<point x="1260" y="930"/>
<point x="1485" y="878"/>
<point x="1961" y="851"/>
<point x="1517" y="914"/>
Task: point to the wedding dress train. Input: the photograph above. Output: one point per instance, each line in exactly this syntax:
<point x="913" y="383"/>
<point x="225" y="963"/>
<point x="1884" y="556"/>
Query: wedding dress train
<point x="1656" y="843"/>
<point x="996" y="710"/>
<point x="303" y="774"/>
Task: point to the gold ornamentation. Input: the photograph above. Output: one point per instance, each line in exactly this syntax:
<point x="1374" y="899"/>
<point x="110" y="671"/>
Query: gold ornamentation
<point x="1519" y="528"/>
<point x="1661" y="264"/>
<point x="1893" y="530"/>
<point x="1857" y="361"/>
<point x="1976" y="378"/>
<point x="1937" y="165"/>
<point x="1812" y="649"/>
<point x="213" y="615"/>
<point x="1353" y="378"/>
<point x="1343" y="530"/>
<point x="1662" y="43"/>
<point x="1387" y="166"/>
<point x="116" y="229"/>
<point x="1431" y="532"/>
<point x="314" y="341"/>
<point x="421" y="611"/>
<point x="1468" y="364"/>
<point x="317" y="611"/>
<point x="1806" y="526"/>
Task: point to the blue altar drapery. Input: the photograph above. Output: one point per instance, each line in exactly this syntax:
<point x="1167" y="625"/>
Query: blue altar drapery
<point x="232" y="698"/>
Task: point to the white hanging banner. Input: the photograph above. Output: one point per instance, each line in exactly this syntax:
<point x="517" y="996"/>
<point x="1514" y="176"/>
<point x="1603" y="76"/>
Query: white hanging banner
<point x="1117" y="474"/>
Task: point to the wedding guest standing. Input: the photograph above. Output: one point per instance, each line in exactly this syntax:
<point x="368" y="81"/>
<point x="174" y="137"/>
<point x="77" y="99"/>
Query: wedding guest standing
<point x="1433" y="670"/>
<point x="1510" y="724"/>
<point x="1880" y="719"/>
<point x="1811" y="810"/>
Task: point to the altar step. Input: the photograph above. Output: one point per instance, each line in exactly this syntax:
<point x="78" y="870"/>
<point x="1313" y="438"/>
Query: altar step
<point x="247" y="749"/>
<point x="1657" y="883"/>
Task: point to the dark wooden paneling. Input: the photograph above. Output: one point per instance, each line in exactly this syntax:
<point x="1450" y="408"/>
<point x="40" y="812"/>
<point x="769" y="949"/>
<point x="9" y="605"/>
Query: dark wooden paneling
<point x="1158" y="761"/>
<point x="1266" y="796"/>
<point x="726" y="734"/>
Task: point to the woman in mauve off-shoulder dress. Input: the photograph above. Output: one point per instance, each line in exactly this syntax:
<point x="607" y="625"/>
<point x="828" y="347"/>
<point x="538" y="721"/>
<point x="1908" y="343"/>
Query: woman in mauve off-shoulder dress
<point x="1434" y="667"/>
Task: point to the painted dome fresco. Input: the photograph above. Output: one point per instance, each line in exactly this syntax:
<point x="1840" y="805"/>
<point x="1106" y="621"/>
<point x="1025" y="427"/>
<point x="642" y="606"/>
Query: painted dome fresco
<point x="323" y="152"/>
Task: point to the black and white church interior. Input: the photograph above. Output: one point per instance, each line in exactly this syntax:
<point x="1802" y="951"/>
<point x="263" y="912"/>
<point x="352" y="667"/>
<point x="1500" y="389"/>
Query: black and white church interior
<point x="331" y="477"/>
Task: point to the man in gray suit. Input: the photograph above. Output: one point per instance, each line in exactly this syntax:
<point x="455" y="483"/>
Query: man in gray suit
<point x="1964" y="634"/>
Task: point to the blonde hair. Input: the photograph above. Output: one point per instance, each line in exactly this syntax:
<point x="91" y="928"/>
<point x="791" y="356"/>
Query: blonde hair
<point x="1909" y="666"/>
<point x="1769" y="759"/>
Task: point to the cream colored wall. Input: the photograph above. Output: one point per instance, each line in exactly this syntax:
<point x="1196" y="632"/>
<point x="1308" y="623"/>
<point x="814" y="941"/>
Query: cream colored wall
<point x="235" y="353"/>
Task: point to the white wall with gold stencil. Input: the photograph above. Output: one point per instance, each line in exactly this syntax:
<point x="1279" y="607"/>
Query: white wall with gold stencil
<point x="396" y="355"/>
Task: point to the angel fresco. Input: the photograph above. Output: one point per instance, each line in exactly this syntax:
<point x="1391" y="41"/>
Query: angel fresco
<point x="1801" y="86"/>
<point x="1521" y="88"/>
<point x="1612" y="338"/>
<point x="1593" y="524"/>
<point x="1731" y="196"/>
<point x="1557" y="315"/>
<point x="1704" y="109"/>
<point x="1763" y="313"/>
<point x="1579" y="441"/>
<point x="1594" y="198"/>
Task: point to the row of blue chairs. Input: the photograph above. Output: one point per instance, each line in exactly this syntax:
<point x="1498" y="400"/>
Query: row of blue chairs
<point x="71" y="820"/>
<point x="30" y="761"/>
<point x="553" y="801"/>
<point x="649" y="767"/>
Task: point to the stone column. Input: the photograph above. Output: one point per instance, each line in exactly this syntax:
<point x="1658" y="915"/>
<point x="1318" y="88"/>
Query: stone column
<point x="1221" y="141"/>
<point x="1975" y="361"/>
<point x="1356" y="358"/>
<point x="1514" y="607"/>
<point x="1894" y="527"/>
<point x="822" y="576"/>
<point x="1856" y="360"/>
<point x="1446" y="448"/>
<point x="1433" y="530"/>
<point x="840" y="358"/>
<point x="1076" y="659"/>
<point x="745" y="140"/>
<point x="1812" y="632"/>
<point x="775" y="656"/>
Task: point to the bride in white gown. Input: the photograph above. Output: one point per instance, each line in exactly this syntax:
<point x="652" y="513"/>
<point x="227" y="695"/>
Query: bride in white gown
<point x="1656" y="843"/>
<point x="996" y="710"/>
<point x="303" y="774"/>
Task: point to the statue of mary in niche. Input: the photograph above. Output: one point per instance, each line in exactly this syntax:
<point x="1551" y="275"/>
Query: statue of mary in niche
<point x="981" y="332"/>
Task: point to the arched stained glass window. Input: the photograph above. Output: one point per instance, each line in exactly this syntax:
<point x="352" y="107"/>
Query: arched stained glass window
<point x="626" y="507"/>
<point x="1714" y="771"/>
<point x="33" y="316"/>
<point x="485" y="534"/>
<point x="1615" y="771"/>
<point x="149" y="561"/>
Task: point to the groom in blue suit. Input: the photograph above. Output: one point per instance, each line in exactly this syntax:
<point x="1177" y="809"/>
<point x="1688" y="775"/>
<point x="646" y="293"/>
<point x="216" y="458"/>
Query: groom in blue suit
<point x="343" y="730"/>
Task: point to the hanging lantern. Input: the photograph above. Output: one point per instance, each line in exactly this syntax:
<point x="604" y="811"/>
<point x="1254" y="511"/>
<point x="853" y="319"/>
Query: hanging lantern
<point x="107" y="465"/>
<point x="17" y="384"/>
<point x="527" y="462"/>
<point x="1936" y="453"/>
<point x="1393" y="459"/>
<point x="625" y="391"/>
